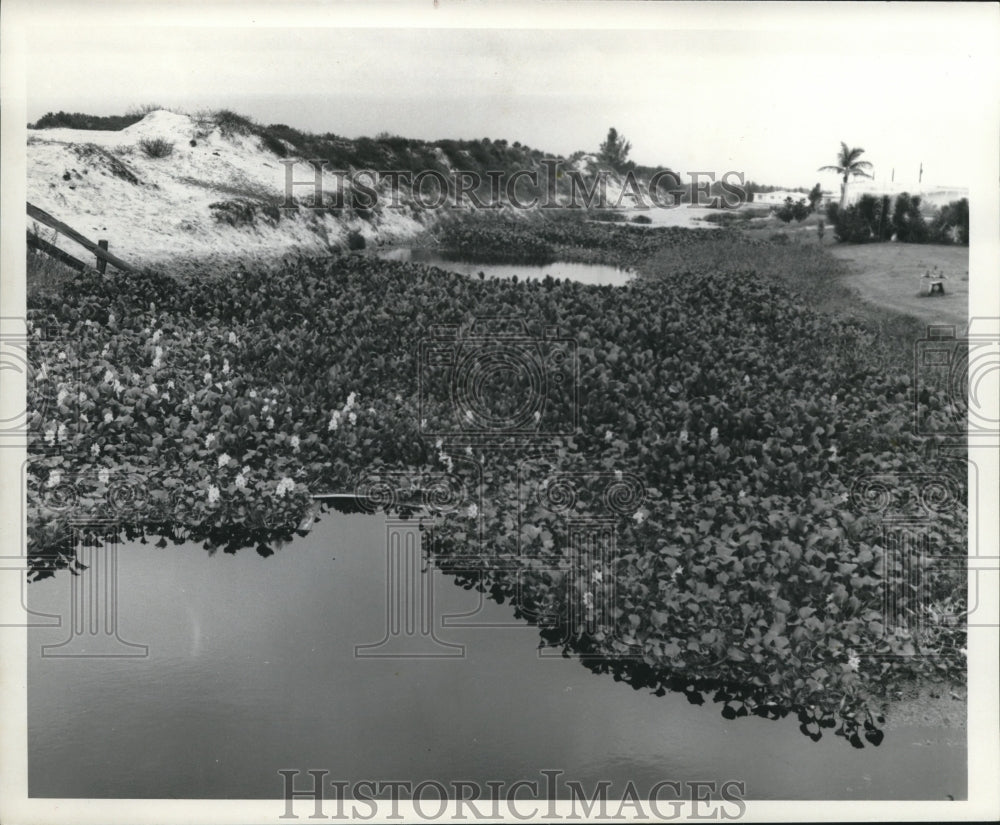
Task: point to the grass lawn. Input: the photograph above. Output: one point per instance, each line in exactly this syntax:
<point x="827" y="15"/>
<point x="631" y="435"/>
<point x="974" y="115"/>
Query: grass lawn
<point x="889" y="274"/>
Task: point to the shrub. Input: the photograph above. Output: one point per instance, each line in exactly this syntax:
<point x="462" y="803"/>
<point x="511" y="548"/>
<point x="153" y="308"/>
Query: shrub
<point x="156" y="147"/>
<point x="788" y="211"/>
<point x="867" y="220"/>
<point x="355" y="240"/>
<point x="78" y="120"/>
<point x="244" y="212"/>
<point x="951" y="224"/>
<point x="642" y="219"/>
<point x="815" y="196"/>
<point x="275" y="145"/>
<point x="908" y="221"/>
<point x="230" y="123"/>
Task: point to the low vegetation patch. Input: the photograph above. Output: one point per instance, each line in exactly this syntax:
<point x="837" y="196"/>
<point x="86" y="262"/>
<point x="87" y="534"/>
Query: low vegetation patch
<point x="156" y="147"/>
<point x="102" y="158"/>
<point x="78" y="120"/>
<point x="239" y="212"/>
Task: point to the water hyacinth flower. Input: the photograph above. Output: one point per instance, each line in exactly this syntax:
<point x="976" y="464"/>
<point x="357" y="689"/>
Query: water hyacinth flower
<point x="270" y="422"/>
<point x="208" y="440"/>
<point x="854" y="662"/>
<point x="225" y="366"/>
<point x="286" y="485"/>
<point x="468" y="450"/>
<point x="43" y="373"/>
<point x="61" y="396"/>
<point x="55" y="477"/>
<point x="157" y="335"/>
<point x="353" y="417"/>
<point x="224" y="460"/>
<point x="351" y="399"/>
<point x="334" y="421"/>
<point x="684" y="436"/>
<point x="252" y="393"/>
<point x="103" y="475"/>
<point x="232" y="337"/>
<point x="537" y="416"/>
<point x="82" y="396"/>
<point x="609" y="435"/>
<point x="62" y="355"/>
<point x="109" y="376"/>
<point x="399" y="398"/>
<point x="154" y="389"/>
<point x="95" y="449"/>
<point x="118" y="387"/>
<point x="208" y="379"/>
<point x="294" y="441"/>
<point x="618" y="475"/>
<point x="241" y="480"/>
<point x="468" y="415"/>
<point x="170" y="384"/>
<point x="50" y="435"/>
<point x="714" y="434"/>
<point x="108" y="418"/>
<point x="640" y="515"/>
<point x="473" y="510"/>
<point x="213" y="494"/>
<point x="61" y="432"/>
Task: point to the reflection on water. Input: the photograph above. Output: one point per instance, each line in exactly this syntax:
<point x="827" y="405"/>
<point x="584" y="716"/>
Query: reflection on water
<point x="591" y="274"/>
<point x="254" y="667"/>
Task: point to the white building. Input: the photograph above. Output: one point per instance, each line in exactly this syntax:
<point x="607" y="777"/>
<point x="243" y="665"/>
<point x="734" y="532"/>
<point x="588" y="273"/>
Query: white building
<point x="779" y="196"/>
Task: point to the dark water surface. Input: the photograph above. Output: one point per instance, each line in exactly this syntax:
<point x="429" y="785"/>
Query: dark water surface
<point x="252" y="668"/>
<point x="592" y="274"/>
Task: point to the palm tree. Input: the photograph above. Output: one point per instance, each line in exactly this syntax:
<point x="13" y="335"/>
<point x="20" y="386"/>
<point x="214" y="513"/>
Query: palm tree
<point x="849" y="166"/>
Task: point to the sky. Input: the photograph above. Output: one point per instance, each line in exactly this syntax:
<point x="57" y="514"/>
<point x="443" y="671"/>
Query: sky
<point x="699" y="91"/>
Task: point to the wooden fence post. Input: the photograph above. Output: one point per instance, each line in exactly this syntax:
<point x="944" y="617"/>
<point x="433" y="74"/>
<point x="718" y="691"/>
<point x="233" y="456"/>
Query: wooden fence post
<point x="102" y="263"/>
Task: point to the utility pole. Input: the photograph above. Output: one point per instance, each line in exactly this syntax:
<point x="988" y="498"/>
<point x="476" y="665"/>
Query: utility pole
<point x="921" y="178"/>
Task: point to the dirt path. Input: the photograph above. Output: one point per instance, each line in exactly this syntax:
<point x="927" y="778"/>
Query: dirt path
<point x="889" y="274"/>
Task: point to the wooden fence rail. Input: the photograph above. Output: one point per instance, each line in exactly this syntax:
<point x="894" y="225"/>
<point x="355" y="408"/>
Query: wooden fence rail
<point x="99" y="249"/>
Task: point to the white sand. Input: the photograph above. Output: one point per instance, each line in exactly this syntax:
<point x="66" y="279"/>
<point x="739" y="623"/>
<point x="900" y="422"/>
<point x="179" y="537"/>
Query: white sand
<point x="166" y="214"/>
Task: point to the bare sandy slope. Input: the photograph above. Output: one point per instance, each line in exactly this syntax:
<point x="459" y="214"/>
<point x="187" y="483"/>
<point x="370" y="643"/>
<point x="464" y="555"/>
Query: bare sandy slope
<point x="890" y="275"/>
<point x="158" y="210"/>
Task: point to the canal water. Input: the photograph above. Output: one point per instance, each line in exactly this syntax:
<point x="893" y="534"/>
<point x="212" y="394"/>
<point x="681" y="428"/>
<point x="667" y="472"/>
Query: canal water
<point x="591" y="274"/>
<point x="259" y="665"/>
